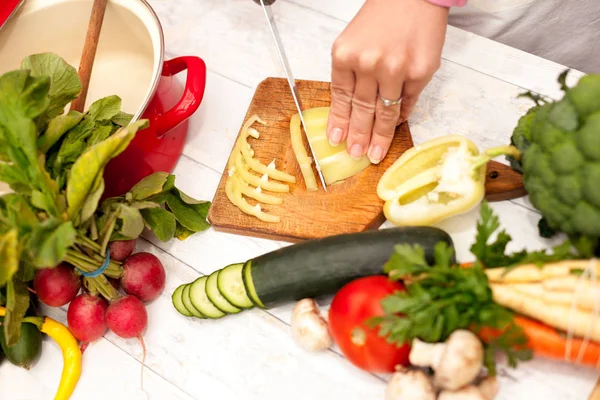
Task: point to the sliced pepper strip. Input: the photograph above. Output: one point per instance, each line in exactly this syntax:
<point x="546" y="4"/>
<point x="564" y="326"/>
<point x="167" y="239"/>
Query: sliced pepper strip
<point x="255" y="193"/>
<point x="235" y="196"/>
<point x="301" y="156"/>
<point x="244" y="147"/>
<point x="70" y="350"/>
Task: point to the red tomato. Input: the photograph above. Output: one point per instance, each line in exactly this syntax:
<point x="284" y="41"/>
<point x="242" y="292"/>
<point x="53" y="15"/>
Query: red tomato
<point x="352" y="306"/>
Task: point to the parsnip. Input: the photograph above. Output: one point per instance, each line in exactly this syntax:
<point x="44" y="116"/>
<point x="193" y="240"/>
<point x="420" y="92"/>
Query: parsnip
<point x="534" y="273"/>
<point x="580" y="323"/>
<point x="584" y="297"/>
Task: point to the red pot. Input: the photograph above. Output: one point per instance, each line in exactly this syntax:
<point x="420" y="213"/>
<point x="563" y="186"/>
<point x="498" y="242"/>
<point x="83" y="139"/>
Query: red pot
<point x="129" y="63"/>
<point x="158" y="147"/>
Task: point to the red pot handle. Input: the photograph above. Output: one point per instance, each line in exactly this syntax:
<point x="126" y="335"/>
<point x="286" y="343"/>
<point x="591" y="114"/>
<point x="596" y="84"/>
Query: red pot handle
<point x="192" y="95"/>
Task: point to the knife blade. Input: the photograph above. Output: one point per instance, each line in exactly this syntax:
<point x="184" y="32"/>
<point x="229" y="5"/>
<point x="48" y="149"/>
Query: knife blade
<point x="290" y="78"/>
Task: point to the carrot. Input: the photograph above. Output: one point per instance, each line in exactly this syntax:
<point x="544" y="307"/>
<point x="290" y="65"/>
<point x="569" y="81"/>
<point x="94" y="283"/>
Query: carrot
<point x="547" y="342"/>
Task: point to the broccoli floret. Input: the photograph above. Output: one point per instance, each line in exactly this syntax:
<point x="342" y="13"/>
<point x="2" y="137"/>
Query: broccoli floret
<point x="559" y="143"/>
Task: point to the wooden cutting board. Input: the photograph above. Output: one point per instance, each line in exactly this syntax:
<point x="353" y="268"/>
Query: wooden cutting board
<point x="351" y="206"/>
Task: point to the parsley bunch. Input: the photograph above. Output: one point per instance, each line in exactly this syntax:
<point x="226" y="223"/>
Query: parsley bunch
<point x="442" y="298"/>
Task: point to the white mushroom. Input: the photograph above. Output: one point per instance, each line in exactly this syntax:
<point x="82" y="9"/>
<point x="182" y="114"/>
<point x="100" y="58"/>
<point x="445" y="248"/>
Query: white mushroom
<point x="456" y="363"/>
<point x="466" y="393"/>
<point x="486" y="390"/>
<point x="489" y="387"/>
<point x="309" y="329"/>
<point x="410" y="384"/>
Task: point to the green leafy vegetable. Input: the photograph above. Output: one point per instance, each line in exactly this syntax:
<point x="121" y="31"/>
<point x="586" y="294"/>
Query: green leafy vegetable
<point x="22" y="98"/>
<point x="560" y="150"/>
<point x="191" y="215"/>
<point x="9" y="256"/>
<point x="149" y="186"/>
<point x="89" y="169"/>
<point x="442" y="298"/>
<point x="49" y="242"/>
<point x="132" y="223"/>
<point x="161" y="222"/>
<point x="17" y="303"/>
<point x="64" y="80"/>
<point x="57" y="127"/>
<point x="493" y="254"/>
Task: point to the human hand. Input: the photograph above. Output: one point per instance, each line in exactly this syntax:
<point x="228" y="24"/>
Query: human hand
<point x="391" y="48"/>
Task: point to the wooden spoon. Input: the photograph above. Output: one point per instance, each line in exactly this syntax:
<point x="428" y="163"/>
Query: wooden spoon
<point x="89" y="52"/>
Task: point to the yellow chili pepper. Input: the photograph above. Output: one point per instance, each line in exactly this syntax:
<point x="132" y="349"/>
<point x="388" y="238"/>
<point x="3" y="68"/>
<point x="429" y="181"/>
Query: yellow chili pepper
<point x="70" y="351"/>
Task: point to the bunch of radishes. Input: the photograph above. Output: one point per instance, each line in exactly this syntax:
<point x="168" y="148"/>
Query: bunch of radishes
<point x="90" y="316"/>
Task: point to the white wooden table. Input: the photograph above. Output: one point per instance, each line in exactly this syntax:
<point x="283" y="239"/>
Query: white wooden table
<point x="251" y="355"/>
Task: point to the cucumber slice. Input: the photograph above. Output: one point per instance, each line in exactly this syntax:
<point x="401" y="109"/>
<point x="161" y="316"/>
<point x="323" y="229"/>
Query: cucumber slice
<point x="247" y="277"/>
<point x="178" y="301"/>
<point x="187" y="302"/>
<point x="231" y="286"/>
<point x="201" y="301"/>
<point x="212" y="291"/>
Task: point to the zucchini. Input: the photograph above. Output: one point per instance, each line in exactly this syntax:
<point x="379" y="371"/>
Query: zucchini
<point x="212" y="291"/>
<point x="321" y="267"/>
<point x="177" y="301"/>
<point x="187" y="302"/>
<point x="27" y="349"/>
<point x="201" y="301"/>
<point x="231" y="285"/>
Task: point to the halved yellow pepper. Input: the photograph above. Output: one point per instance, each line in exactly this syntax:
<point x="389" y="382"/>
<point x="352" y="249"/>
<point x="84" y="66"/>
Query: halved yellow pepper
<point x="438" y="179"/>
<point x="335" y="162"/>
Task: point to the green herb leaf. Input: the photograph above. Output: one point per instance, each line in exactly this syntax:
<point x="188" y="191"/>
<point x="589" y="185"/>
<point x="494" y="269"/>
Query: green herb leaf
<point x="105" y="108"/>
<point x="191" y="215"/>
<point x="149" y="186"/>
<point x="9" y="256"/>
<point x="162" y="222"/>
<point x="122" y="119"/>
<point x="440" y="299"/>
<point x="17" y="303"/>
<point x="89" y="167"/>
<point x="22" y="98"/>
<point x="91" y="203"/>
<point x="406" y="260"/>
<point x="493" y="255"/>
<point x="181" y="232"/>
<point x="57" y="127"/>
<point x="65" y="84"/>
<point x="49" y="242"/>
<point x="132" y="223"/>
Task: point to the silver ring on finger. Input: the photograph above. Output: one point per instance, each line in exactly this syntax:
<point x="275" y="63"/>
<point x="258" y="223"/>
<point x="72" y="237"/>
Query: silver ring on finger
<point x="389" y="103"/>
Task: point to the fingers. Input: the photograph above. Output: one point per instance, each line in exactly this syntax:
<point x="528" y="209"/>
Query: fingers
<point x="419" y="76"/>
<point x="362" y="116"/>
<point x="386" y="117"/>
<point x="342" y="89"/>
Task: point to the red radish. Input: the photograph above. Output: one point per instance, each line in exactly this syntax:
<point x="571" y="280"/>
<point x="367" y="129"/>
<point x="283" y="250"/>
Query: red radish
<point x="121" y="249"/>
<point x="127" y="317"/>
<point x="86" y="317"/>
<point x="56" y="286"/>
<point x="143" y="276"/>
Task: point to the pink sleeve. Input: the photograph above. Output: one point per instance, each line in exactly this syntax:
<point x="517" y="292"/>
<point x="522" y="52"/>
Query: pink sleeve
<point x="448" y="3"/>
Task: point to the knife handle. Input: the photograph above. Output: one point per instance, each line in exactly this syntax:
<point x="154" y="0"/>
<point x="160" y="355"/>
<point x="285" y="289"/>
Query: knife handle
<point x="267" y="2"/>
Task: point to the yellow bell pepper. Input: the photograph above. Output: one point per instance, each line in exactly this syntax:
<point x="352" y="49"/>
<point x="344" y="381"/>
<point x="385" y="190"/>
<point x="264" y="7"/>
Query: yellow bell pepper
<point x="436" y="180"/>
<point x="70" y="351"/>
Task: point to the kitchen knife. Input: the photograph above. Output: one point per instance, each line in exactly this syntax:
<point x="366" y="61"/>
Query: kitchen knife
<point x="288" y="72"/>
